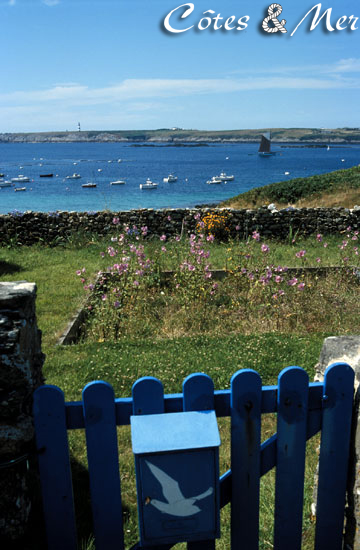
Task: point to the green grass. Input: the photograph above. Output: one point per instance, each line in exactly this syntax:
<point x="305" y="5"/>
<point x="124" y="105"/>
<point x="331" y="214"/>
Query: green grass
<point x="299" y="190"/>
<point x="169" y="359"/>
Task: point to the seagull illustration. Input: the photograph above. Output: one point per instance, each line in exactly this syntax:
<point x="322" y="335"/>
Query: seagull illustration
<point x="177" y="504"/>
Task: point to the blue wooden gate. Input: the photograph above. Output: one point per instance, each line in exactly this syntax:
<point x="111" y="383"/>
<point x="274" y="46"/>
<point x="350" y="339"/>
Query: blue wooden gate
<point x="302" y="409"/>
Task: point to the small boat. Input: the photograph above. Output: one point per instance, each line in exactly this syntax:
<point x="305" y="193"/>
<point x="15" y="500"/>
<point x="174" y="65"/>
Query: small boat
<point x="75" y="176"/>
<point x="5" y="183"/>
<point x="328" y="148"/>
<point x="265" y="146"/>
<point x="148" y="185"/>
<point x="20" y="179"/>
<point x="170" y="179"/>
<point x="118" y="182"/>
<point x="2" y="175"/>
<point x="89" y="184"/>
<point x="215" y="179"/>
<point x="20" y="189"/>
<point x="46" y="175"/>
<point x="224" y="177"/>
<point x="286" y="173"/>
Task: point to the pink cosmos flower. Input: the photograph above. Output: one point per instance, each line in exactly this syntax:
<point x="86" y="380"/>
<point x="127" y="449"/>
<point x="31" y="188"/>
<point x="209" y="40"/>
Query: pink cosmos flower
<point x="163" y="238"/>
<point x="292" y="282"/>
<point x="301" y="286"/>
<point x="264" y="248"/>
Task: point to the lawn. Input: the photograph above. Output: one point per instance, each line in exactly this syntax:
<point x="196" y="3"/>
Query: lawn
<point x="233" y="337"/>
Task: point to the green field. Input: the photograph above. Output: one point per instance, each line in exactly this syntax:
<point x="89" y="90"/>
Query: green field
<point x="216" y="348"/>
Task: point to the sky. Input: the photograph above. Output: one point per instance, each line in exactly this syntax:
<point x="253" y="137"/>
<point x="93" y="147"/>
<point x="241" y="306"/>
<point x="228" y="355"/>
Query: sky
<point x="112" y="65"/>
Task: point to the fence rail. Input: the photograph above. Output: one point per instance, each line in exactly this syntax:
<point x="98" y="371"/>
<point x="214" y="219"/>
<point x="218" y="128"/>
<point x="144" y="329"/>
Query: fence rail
<point x="302" y="409"/>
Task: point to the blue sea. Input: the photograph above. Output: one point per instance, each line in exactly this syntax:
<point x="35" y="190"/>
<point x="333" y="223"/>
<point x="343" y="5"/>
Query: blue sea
<point x="105" y="162"/>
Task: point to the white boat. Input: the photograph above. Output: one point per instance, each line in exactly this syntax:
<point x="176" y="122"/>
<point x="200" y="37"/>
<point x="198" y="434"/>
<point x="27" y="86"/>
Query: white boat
<point x="148" y="185"/>
<point x="118" y="182"/>
<point x="5" y="183"/>
<point x="75" y="176"/>
<point x="20" y="189"/>
<point x="215" y="179"/>
<point x="170" y="179"/>
<point x="20" y="179"/>
<point x="224" y="177"/>
<point x="89" y="184"/>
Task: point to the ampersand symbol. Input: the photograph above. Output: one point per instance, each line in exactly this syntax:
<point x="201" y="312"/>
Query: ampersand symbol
<point x="279" y="25"/>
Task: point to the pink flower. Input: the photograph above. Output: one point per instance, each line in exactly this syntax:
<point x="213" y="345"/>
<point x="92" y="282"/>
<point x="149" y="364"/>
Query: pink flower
<point x="318" y="260"/>
<point x="325" y="245"/>
<point x="103" y="297"/>
<point x="301" y="286"/>
<point x="169" y="218"/>
<point x="177" y="238"/>
<point x="116" y="304"/>
<point x="163" y="248"/>
<point x="292" y="282"/>
<point x="210" y="238"/>
<point x="319" y="237"/>
<point x="281" y="293"/>
<point x="256" y="236"/>
<point x="278" y="279"/>
<point x="237" y="227"/>
<point x="264" y="248"/>
<point x="136" y="283"/>
<point x="116" y="221"/>
<point x="300" y="254"/>
<point x="163" y="238"/>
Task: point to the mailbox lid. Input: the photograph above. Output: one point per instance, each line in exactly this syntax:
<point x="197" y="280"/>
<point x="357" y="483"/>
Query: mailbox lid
<point x="156" y="433"/>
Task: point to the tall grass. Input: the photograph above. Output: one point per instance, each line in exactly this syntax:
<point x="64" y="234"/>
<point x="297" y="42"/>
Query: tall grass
<point x="171" y="332"/>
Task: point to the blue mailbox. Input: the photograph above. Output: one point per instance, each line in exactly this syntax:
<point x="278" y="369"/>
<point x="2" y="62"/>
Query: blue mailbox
<point x="177" y="476"/>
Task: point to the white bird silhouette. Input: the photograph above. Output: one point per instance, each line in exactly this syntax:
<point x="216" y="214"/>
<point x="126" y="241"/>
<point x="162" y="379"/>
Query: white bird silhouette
<point x="177" y="504"/>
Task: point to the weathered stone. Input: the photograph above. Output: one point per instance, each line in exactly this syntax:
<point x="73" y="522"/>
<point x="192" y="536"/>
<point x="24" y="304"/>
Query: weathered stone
<point x="21" y="363"/>
<point x="346" y="349"/>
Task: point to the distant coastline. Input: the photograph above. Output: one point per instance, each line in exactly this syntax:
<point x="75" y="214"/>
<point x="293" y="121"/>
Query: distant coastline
<point x="184" y="137"/>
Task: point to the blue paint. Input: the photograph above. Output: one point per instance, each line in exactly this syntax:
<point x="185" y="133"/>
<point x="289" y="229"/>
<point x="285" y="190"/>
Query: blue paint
<point x="177" y="463"/>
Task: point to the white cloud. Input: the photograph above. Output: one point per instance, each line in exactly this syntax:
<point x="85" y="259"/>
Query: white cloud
<point x="134" y="89"/>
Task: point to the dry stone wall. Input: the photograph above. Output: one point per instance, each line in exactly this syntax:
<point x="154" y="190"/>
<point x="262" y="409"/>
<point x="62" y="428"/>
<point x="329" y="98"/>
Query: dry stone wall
<point x="21" y="363"/>
<point x="55" y="228"/>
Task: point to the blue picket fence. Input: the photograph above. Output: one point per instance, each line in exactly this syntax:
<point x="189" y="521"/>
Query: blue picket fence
<point x="302" y="409"/>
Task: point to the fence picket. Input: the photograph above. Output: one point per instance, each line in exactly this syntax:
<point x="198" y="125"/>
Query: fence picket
<point x="198" y="395"/>
<point x="290" y="463"/>
<point x="54" y="466"/>
<point x="245" y="459"/>
<point x="334" y="455"/>
<point x="103" y="463"/>
<point x="148" y="396"/>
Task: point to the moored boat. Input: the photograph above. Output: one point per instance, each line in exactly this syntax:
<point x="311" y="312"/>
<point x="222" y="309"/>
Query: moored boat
<point x="75" y="176"/>
<point x="90" y="184"/>
<point x="20" y="179"/>
<point x="214" y="179"/>
<point x="118" y="182"/>
<point x="170" y="179"/>
<point x="46" y="175"/>
<point x="20" y="189"/>
<point x="224" y="177"/>
<point x="5" y="183"/>
<point x="148" y="184"/>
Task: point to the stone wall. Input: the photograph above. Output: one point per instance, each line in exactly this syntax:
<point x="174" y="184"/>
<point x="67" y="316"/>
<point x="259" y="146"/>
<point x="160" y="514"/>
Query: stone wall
<point x="21" y="363"/>
<point x="55" y="228"/>
<point x="346" y="349"/>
